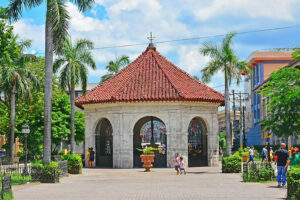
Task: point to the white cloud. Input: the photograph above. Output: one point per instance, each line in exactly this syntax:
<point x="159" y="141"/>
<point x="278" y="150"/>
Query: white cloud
<point x="191" y="60"/>
<point x="27" y="30"/>
<point x="273" y="9"/>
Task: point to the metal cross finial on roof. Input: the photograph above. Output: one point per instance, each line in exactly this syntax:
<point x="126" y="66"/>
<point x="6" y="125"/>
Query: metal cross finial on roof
<point x="150" y="39"/>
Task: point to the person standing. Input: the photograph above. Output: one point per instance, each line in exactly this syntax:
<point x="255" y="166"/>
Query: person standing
<point x="294" y="160"/>
<point x="251" y="155"/>
<point x="282" y="157"/>
<point x="271" y="155"/>
<point x="92" y="157"/>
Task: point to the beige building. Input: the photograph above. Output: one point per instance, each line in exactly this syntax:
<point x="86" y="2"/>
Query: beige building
<point x="152" y="102"/>
<point x="221" y="119"/>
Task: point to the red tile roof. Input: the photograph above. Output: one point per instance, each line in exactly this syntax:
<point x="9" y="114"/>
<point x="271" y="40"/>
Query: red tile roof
<point x="151" y="77"/>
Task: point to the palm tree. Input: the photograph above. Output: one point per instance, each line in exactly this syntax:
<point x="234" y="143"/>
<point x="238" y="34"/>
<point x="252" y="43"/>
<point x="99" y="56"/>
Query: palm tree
<point x="57" y="24"/>
<point x="17" y="81"/>
<point x="73" y="62"/>
<point x="114" y="67"/>
<point x="223" y="58"/>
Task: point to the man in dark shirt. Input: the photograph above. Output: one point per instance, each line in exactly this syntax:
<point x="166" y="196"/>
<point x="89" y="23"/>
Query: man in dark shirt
<point x="282" y="157"/>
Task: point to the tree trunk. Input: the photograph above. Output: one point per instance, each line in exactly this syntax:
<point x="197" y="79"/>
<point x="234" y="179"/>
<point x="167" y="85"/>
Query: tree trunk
<point x="227" y="118"/>
<point x="72" y="99"/>
<point x="48" y="90"/>
<point x="12" y="121"/>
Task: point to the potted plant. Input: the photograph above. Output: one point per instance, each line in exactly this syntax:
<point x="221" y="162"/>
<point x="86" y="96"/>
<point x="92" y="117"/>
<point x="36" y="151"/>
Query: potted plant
<point x="245" y="156"/>
<point x="148" y="157"/>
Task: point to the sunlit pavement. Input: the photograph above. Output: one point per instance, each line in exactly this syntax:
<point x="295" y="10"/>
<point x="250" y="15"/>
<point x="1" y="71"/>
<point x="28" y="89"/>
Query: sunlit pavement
<point x="199" y="183"/>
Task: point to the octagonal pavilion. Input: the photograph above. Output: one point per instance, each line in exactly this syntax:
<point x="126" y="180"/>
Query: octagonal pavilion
<point x="152" y="102"/>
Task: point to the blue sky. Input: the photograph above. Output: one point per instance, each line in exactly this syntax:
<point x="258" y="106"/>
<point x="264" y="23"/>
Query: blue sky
<point x="119" y="22"/>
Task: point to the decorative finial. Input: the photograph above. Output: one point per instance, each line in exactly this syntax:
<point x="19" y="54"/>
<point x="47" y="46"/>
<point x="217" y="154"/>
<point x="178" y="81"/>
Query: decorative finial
<point x="150" y="40"/>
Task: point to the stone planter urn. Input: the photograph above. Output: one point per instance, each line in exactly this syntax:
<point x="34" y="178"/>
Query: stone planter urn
<point x="75" y="170"/>
<point x="147" y="160"/>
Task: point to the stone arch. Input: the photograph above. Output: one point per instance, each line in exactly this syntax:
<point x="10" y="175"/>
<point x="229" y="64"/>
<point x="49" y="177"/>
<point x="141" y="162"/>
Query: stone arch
<point x="104" y="143"/>
<point x="150" y="131"/>
<point x="197" y="142"/>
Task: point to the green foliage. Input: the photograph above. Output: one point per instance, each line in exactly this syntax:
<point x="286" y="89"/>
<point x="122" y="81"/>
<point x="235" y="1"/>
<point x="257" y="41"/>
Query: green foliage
<point x="114" y="67"/>
<point x="148" y="150"/>
<point x="259" y="172"/>
<point x="222" y="140"/>
<point x="283" y="90"/>
<point x="293" y="183"/>
<point x="296" y="55"/>
<point x="74" y="161"/>
<point x="231" y="164"/>
<point x="245" y="154"/>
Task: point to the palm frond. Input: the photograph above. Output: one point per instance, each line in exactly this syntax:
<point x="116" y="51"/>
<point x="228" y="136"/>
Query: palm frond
<point x="84" y="5"/>
<point x="59" y="17"/>
<point x="15" y="7"/>
<point x="106" y="77"/>
<point x="83" y="45"/>
<point x="25" y="44"/>
<point x="58" y="63"/>
<point x="210" y="49"/>
<point x="212" y="67"/>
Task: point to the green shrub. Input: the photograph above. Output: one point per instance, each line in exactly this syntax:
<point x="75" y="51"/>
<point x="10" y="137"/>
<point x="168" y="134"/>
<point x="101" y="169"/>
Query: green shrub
<point x="231" y="164"/>
<point x="74" y="163"/>
<point x="46" y="173"/>
<point x="293" y="183"/>
<point x="258" y="172"/>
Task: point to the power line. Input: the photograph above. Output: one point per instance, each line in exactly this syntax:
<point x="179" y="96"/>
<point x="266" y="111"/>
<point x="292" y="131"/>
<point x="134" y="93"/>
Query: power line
<point x="198" y="38"/>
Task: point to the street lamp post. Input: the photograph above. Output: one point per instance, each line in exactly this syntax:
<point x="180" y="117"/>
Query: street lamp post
<point x="25" y="131"/>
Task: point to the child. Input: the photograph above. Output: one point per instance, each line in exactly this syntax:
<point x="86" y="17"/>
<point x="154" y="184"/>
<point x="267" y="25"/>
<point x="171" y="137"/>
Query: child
<point x="181" y="166"/>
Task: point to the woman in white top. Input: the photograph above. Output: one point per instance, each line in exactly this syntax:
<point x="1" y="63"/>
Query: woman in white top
<point x="176" y="162"/>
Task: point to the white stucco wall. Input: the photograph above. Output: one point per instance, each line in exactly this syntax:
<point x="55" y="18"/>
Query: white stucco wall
<point x="175" y="115"/>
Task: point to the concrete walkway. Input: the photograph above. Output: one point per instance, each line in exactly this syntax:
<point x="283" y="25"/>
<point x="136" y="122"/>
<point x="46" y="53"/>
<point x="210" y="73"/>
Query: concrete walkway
<point x="199" y="183"/>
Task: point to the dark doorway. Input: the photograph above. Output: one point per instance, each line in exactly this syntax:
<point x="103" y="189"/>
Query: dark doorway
<point x="197" y="143"/>
<point x="150" y="131"/>
<point x="104" y="144"/>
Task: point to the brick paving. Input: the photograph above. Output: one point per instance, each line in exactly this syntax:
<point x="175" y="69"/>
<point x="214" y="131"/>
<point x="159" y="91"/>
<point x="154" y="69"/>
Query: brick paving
<point x="199" y="183"/>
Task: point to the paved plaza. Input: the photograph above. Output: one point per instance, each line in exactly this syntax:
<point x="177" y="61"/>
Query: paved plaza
<point x="199" y="183"/>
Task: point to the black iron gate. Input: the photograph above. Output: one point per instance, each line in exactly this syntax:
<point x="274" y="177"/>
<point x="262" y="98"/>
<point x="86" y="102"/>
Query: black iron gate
<point x="197" y="144"/>
<point x="150" y="131"/>
<point x="104" y="144"/>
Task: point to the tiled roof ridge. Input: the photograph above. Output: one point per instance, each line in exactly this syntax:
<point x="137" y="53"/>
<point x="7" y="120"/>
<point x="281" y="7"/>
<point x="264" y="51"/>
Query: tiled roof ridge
<point x="127" y="81"/>
<point x="192" y="78"/>
<point x="166" y="75"/>
<point x="117" y="74"/>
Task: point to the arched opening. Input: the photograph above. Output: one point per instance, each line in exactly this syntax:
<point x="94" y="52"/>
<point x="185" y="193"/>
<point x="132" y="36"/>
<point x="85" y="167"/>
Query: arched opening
<point x="197" y="143"/>
<point x="104" y="144"/>
<point x="150" y="131"/>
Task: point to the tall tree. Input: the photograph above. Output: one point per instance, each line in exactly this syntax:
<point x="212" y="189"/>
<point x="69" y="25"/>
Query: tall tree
<point x="114" y="67"/>
<point x="283" y="93"/>
<point x="73" y="62"/>
<point x="56" y="30"/>
<point x="17" y="80"/>
<point x="223" y="58"/>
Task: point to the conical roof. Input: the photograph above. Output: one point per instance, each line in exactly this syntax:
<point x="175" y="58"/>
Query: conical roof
<point x="151" y="77"/>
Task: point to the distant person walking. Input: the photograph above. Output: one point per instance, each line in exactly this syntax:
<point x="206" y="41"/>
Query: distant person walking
<point x="92" y="157"/>
<point x="264" y="154"/>
<point x="282" y="157"/>
<point x="251" y="155"/>
<point x="294" y="160"/>
<point x="176" y="161"/>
